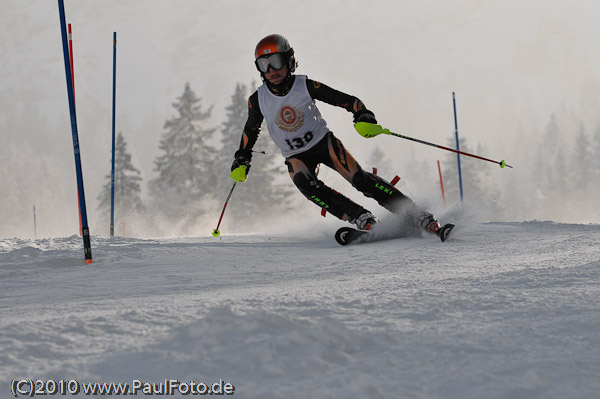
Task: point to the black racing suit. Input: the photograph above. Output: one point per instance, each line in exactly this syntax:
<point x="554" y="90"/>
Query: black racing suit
<point x="329" y="151"/>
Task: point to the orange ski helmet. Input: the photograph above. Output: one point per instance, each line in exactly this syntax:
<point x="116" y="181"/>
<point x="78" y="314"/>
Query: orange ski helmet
<point x="274" y="44"/>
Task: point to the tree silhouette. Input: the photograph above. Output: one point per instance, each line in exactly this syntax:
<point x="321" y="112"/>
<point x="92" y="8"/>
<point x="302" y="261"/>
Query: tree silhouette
<point x="127" y="191"/>
<point x="185" y="178"/>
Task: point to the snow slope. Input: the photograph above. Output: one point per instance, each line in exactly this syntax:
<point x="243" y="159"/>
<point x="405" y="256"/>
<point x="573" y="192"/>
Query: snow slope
<point x="509" y="310"/>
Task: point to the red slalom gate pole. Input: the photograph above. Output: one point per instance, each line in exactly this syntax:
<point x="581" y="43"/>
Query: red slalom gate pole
<point x="441" y="183"/>
<point x="70" y="35"/>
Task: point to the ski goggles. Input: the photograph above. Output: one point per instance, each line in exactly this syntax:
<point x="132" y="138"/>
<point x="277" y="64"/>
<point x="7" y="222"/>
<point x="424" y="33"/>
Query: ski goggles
<point x="276" y="61"/>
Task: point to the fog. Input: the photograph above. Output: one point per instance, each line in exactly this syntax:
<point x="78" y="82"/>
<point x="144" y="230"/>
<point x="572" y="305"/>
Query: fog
<point x="512" y="64"/>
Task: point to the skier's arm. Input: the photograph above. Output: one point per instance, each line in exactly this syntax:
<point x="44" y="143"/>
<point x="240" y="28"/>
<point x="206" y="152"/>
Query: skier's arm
<point x="322" y="92"/>
<point x="243" y="156"/>
<point x="252" y="126"/>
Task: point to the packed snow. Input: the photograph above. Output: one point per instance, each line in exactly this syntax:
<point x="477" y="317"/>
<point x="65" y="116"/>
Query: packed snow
<point x="505" y="310"/>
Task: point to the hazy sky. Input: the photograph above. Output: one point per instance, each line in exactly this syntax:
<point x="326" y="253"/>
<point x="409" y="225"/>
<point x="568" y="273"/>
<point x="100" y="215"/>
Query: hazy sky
<point x="511" y="63"/>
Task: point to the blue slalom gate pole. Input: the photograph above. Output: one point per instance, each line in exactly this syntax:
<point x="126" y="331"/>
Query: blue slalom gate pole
<point x="70" y="37"/>
<point x="112" y="173"/>
<point x="457" y="148"/>
<point x="85" y="231"/>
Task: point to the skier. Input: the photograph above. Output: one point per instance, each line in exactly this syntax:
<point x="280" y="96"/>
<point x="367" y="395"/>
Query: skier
<point x="287" y="102"/>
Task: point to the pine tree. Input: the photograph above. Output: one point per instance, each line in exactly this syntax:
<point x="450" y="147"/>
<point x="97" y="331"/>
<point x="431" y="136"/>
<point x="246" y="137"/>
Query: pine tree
<point x="581" y="177"/>
<point x="596" y="165"/>
<point x="231" y="133"/>
<point x="548" y="176"/>
<point x="581" y="165"/>
<point x="185" y="169"/>
<point x="127" y="189"/>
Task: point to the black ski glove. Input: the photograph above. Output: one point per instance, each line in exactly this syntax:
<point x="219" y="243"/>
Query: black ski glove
<point x="364" y="115"/>
<point x="242" y="157"/>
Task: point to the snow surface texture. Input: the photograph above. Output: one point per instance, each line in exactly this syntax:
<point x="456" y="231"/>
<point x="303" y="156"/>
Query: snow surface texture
<point x="508" y="310"/>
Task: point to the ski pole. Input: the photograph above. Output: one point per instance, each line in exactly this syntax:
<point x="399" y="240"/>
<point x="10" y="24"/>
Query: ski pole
<point x="369" y="130"/>
<point x="216" y="231"/>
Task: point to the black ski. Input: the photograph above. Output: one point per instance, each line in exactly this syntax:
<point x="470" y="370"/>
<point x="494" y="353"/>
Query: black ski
<point x="445" y="232"/>
<point x="349" y="235"/>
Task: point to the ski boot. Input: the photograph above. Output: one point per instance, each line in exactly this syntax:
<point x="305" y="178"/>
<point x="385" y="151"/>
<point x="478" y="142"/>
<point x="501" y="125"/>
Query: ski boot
<point x="365" y="221"/>
<point x="428" y="223"/>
